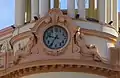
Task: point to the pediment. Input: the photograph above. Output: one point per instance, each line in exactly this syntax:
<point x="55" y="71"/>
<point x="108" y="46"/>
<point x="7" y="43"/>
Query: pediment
<point x="75" y="48"/>
<point x="75" y="54"/>
<point x="54" y="18"/>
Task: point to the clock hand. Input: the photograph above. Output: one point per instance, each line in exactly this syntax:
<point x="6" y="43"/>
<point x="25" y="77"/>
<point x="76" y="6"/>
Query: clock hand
<point x="54" y="40"/>
<point x="53" y="36"/>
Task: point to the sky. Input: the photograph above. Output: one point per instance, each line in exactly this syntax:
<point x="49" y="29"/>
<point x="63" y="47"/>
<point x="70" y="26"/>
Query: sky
<point x="7" y="12"/>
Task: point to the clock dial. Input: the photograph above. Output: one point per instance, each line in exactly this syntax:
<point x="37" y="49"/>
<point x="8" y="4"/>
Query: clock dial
<point x="55" y="37"/>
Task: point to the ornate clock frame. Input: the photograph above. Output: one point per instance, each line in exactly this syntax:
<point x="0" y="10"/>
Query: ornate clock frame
<point x="36" y="57"/>
<point x="54" y="18"/>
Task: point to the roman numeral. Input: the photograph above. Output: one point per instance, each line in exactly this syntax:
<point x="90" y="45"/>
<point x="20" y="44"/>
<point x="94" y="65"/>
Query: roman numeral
<point x="56" y="29"/>
<point x="48" y="41"/>
<point x="60" y="44"/>
<point x="55" y="45"/>
<point x="62" y="41"/>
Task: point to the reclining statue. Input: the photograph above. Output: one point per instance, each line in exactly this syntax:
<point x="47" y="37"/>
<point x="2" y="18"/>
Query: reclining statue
<point x="27" y="51"/>
<point x="87" y="50"/>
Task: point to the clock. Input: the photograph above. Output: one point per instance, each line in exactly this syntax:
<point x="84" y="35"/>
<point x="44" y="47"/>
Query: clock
<point x="55" y="37"/>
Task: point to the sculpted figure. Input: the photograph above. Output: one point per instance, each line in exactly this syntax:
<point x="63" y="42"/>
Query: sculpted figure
<point x="86" y="50"/>
<point x="1" y="47"/>
<point x="19" y="55"/>
<point x="17" y="59"/>
<point x="1" y="62"/>
<point x="31" y="43"/>
<point x="23" y="53"/>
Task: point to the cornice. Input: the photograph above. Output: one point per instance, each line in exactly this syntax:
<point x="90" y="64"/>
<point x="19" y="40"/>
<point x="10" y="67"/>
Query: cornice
<point x="99" y="34"/>
<point x="57" y="66"/>
<point x="20" y="36"/>
<point x="6" y="31"/>
<point x="102" y="24"/>
<point x="77" y="56"/>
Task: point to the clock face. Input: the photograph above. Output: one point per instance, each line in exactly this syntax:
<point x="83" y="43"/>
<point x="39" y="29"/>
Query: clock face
<point x="55" y="37"/>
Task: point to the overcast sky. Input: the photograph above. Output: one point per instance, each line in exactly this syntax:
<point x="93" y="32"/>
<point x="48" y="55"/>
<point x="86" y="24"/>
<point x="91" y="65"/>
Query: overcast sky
<point x="7" y="12"/>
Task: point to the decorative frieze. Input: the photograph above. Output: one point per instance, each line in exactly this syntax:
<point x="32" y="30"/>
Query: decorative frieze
<point x="67" y="67"/>
<point x="75" y="56"/>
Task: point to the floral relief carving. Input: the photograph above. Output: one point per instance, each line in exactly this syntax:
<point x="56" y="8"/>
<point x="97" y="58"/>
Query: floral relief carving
<point x="54" y="52"/>
<point x="55" y="11"/>
<point x="61" y="19"/>
<point x="41" y="23"/>
<point x="48" y="20"/>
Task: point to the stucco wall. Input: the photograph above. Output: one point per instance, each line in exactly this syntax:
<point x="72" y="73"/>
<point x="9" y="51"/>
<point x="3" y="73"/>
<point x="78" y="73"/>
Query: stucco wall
<point x="23" y="28"/>
<point x="63" y="75"/>
<point x="97" y="27"/>
<point x="102" y="45"/>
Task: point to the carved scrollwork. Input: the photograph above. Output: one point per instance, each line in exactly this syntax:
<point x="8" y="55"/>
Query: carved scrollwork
<point x="61" y="19"/>
<point x="48" y="20"/>
<point x="55" y="11"/>
<point x="54" y="52"/>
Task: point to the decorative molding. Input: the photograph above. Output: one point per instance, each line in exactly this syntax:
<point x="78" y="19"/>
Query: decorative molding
<point x="76" y="56"/>
<point x="6" y="31"/>
<point x="57" y="67"/>
<point x="54" y="17"/>
<point x="102" y="24"/>
<point x="20" y="37"/>
<point x="85" y="49"/>
<point x="99" y="34"/>
<point x="5" y="46"/>
<point x="31" y="43"/>
<point x="55" y="52"/>
<point x="27" y="50"/>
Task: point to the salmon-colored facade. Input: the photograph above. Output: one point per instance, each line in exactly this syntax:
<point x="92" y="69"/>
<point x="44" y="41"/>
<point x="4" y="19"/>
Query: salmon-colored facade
<point x="79" y="54"/>
<point x="59" y="43"/>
